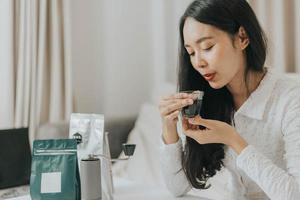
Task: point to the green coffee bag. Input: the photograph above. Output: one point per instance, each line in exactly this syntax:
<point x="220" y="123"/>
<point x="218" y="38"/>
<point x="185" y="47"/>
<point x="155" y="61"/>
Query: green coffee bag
<point x="54" y="170"/>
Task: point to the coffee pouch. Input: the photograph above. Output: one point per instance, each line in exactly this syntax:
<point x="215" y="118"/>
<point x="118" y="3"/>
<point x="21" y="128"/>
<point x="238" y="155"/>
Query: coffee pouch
<point x="54" y="170"/>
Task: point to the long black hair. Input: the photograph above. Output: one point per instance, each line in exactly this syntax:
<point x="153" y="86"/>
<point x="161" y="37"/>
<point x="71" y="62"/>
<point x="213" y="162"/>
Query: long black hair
<point x="201" y="162"/>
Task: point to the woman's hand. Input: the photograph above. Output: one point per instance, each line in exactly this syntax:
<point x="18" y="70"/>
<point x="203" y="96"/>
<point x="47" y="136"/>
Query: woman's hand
<point x="169" y="108"/>
<point x="215" y="132"/>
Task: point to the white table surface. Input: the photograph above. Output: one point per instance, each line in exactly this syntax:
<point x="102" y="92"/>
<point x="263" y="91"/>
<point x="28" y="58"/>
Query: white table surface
<point x="128" y="190"/>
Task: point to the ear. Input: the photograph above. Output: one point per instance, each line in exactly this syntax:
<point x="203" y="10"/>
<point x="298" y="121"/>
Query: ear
<point x="243" y="38"/>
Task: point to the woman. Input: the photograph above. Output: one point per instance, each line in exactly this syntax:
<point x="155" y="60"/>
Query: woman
<point x="249" y="129"/>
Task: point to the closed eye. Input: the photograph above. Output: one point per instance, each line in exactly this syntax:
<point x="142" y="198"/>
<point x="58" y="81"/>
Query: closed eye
<point x="209" y="48"/>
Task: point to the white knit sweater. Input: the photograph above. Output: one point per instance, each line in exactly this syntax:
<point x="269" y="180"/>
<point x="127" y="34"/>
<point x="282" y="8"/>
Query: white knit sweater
<point x="269" y="167"/>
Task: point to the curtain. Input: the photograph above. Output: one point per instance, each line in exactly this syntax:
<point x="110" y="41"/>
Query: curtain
<point x="35" y="70"/>
<point x="281" y="21"/>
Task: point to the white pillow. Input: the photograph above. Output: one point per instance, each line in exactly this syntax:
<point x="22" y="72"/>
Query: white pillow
<point x="143" y="166"/>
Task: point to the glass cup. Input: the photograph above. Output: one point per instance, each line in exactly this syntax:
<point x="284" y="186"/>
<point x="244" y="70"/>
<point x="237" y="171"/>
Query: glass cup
<point x="193" y="110"/>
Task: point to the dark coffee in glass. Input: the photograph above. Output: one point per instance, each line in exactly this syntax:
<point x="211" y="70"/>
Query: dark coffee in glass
<point x="193" y="110"/>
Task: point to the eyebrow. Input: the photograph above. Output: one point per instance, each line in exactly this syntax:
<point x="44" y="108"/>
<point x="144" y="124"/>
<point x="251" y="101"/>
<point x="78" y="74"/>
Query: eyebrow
<point x="200" y="40"/>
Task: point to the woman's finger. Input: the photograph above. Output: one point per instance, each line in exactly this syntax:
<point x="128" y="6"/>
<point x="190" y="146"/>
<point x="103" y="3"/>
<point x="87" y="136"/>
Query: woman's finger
<point x="173" y="115"/>
<point x="180" y="95"/>
<point x="194" y="127"/>
<point x="185" y="124"/>
<point x="203" y="122"/>
<point x="175" y="106"/>
<point x="164" y="103"/>
<point x="190" y="133"/>
<point x="201" y="136"/>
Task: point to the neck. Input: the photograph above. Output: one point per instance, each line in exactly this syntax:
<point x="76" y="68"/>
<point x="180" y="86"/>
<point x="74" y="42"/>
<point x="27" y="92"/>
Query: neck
<point x="241" y="90"/>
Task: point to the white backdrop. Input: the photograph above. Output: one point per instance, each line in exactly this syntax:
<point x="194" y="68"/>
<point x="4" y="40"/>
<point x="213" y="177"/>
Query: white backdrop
<point x="122" y="50"/>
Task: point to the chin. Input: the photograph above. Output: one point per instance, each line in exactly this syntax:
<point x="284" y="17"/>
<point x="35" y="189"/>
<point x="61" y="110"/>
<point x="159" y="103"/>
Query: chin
<point x="216" y="85"/>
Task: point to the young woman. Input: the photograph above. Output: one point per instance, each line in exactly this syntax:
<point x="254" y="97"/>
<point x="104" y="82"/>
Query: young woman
<point x="248" y="136"/>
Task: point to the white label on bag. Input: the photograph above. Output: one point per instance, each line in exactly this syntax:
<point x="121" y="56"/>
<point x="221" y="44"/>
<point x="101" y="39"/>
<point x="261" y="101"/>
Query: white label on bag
<point x="51" y="182"/>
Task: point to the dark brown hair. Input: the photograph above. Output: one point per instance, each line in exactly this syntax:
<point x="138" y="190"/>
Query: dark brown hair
<point x="201" y="162"/>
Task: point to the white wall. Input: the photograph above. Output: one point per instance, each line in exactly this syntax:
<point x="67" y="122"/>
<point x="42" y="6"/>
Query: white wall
<point x="111" y="57"/>
<point x="87" y="38"/>
<point x="122" y="50"/>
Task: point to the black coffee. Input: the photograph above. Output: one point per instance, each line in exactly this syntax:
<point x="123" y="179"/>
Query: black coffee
<point x="192" y="110"/>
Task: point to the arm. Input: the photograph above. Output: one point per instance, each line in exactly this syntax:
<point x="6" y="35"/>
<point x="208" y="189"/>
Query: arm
<point x="171" y="151"/>
<point x="277" y="183"/>
<point x="174" y="176"/>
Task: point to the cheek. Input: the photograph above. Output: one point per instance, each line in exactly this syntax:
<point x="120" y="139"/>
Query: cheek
<point x="225" y="60"/>
<point x="193" y="63"/>
<point x="216" y="57"/>
<point x="221" y="55"/>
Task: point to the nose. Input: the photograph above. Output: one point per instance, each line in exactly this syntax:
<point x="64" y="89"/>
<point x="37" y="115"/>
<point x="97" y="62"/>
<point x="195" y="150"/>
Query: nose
<point x="200" y="61"/>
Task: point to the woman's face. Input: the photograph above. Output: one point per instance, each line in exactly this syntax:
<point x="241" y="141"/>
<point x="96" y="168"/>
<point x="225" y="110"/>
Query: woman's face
<point x="213" y="53"/>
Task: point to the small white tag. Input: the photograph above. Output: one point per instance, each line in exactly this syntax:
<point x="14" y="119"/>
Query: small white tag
<point x="51" y="182"/>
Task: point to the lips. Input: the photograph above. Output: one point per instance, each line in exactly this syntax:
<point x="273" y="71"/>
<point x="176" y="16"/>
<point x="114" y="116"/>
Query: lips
<point x="209" y="77"/>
